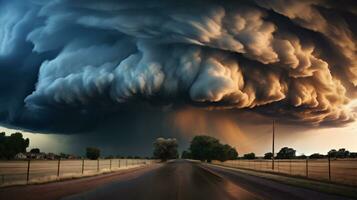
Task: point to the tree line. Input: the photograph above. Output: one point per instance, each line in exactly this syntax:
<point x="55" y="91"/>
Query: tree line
<point x="204" y="148"/>
<point x="15" y="143"/>
<point x="12" y="145"/>
<point x="290" y="153"/>
<point x="207" y="148"/>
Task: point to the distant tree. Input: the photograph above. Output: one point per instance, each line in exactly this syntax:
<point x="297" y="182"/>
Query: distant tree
<point x="342" y="153"/>
<point x="353" y="155"/>
<point x="203" y="147"/>
<point x="225" y="152"/>
<point x="186" y="155"/>
<point x="268" y="155"/>
<point x="12" y="145"/>
<point x="316" y="156"/>
<point x="92" y="153"/>
<point x="2" y="145"/>
<point x="63" y="156"/>
<point x="332" y="153"/>
<point x="218" y="153"/>
<point x="207" y="148"/>
<point x="35" y="150"/>
<point x="230" y="152"/>
<point x="165" y="149"/>
<point x="249" y="156"/>
<point x="286" y="153"/>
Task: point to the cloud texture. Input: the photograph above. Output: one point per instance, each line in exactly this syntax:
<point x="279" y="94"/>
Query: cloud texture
<point x="66" y="63"/>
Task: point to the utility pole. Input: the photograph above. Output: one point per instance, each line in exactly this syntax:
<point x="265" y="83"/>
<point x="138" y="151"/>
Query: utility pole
<point x="273" y="146"/>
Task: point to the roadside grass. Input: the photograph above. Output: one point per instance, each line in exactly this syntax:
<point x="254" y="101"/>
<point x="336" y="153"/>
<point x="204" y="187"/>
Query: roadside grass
<point x="70" y="176"/>
<point x="330" y="188"/>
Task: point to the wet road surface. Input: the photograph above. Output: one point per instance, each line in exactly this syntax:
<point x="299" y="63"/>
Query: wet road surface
<point x="183" y="180"/>
<point x="177" y="180"/>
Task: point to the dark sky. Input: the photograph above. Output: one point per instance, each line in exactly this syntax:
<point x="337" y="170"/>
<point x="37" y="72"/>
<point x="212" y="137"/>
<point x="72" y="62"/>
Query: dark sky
<point x="124" y="71"/>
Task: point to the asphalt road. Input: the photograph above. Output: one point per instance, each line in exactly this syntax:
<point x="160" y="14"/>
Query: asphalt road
<point x="179" y="179"/>
<point x="184" y="180"/>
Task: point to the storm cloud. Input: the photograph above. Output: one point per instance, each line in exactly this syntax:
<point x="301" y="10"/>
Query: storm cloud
<point x="66" y="65"/>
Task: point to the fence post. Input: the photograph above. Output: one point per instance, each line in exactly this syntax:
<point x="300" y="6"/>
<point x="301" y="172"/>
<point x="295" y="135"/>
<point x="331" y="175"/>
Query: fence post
<point x="58" y="166"/>
<point x="126" y="162"/>
<point x="98" y="165"/>
<point x="28" y="170"/>
<point x="329" y="168"/>
<point x="290" y="165"/>
<point x="119" y="162"/>
<point x="82" y="166"/>
<point x="307" y="167"/>
<point x="110" y="165"/>
<point x="260" y="165"/>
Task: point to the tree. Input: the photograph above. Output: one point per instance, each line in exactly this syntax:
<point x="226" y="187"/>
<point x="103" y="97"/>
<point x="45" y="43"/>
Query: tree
<point x="12" y="145"/>
<point x="268" y="155"/>
<point x="207" y="148"/>
<point x="231" y="152"/>
<point x="2" y="145"/>
<point x="226" y="153"/>
<point x="342" y="153"/>
<point x="249" y="156"/>
<point x="332" y="153"/>
<point x="186" y="155"/>
<point x="316" y="156"/>
<point x="353" y="155"/>
<point x="92" y="153"/>
<point x="218" y="153"/>
<point x="165" y="149"/>
<point x="35" y="150"/>
<point x="202" y="147"/>
<point x="286" y="153"/>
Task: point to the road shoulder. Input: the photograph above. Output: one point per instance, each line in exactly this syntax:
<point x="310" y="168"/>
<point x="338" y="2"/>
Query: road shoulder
<point x="56" y="190"/>
<point x="323" y="187"/>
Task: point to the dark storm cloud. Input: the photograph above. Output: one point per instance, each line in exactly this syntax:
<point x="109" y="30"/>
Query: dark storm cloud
<point x="67" y="65"/>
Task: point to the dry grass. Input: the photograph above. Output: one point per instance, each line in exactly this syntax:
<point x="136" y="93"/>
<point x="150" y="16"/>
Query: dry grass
<point x="42" y="171"/>
<point x="325" y="187"/>
<point x="342" y="171"/>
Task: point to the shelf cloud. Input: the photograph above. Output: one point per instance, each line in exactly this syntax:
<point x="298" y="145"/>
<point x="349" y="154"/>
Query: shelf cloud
<point x="65" y="65"/>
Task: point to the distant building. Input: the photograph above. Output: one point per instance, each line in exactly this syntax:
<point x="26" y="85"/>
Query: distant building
<point x="44" y="156"/>
<point x="68" y="156"/>
<point x="52" y="156"/>
<point x="72" y="157"/>
<point x="20" y="156"/>
<point x="36" y="156"/>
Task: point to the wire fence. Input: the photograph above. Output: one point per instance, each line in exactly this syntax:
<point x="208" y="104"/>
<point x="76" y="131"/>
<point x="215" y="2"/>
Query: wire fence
<point x="32" y="171"/>
<point x="342" y="171"/>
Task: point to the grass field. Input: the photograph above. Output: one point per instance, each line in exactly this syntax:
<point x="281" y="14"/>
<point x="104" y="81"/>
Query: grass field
<point x="15" y="172"/>
<point x="343" y="171"/>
